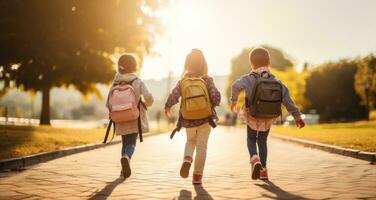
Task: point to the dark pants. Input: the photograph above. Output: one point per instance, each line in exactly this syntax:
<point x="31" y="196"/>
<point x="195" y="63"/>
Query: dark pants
<point x="129" y="144"/>
<point x="260" y="138"/>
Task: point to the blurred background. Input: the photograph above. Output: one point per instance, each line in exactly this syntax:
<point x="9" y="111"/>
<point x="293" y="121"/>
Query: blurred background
<point x="58" y="58"/>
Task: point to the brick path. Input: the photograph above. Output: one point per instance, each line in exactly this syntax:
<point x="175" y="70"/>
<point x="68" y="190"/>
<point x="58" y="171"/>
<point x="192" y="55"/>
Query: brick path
<point x="296" y="173"/>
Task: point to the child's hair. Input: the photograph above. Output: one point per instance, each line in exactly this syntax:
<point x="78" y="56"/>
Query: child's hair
<point x="127" y="64"/>
<point x="259" y="57"/>
<point x="195" y="64"/>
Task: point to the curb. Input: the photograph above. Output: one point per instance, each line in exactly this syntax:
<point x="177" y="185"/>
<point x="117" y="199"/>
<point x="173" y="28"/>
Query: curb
<point x="26" y="161"/>
<point x="362" y="155"/>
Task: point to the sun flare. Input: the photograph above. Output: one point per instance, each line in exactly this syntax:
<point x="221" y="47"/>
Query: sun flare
<point x="186" y="25"/>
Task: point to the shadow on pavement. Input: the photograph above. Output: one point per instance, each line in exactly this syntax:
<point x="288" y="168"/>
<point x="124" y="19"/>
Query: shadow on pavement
<point x="279" y="192"/>
<point x="201" y="193"/>
<point x="106" y="191"/>
<point x="184" y="195"/>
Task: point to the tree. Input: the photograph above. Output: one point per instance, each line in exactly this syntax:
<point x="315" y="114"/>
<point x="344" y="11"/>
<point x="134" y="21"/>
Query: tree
<point x="330" y="90"/>
<point x="296" y="83"/>
<point x="45" y="44"/>
<point x="366" y="77"/>
<point x="240" y="64"/>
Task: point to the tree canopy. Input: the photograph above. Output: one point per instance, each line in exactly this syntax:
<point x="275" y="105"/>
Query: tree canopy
<point x="45" y="44"/>
<point x="330" y="89"/>
<point x="366" y="77"/>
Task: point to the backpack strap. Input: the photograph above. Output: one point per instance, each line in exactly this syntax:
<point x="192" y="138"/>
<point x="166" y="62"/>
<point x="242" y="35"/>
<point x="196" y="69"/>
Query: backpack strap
<point x="113" y="132"/>
<point x="178" y="126"/>
<point x="140" y="129"/>
<point x="131" y="82"/>
<point x="108" y="131"/>
<point x="139" y="123"/>
<point x="257" y="76"/>
<point x="212" y="123"/>
<point x="254" y="74"/>
<point x="127" y="83"/>
<point x="246" y="100"/>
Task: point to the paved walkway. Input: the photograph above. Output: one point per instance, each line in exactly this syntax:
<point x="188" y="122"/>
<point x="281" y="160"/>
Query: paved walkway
<point x="296" y="173"/>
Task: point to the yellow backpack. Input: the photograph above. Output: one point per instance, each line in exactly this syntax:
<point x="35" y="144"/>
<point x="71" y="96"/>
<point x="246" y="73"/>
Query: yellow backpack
<point x="195" y="102"/>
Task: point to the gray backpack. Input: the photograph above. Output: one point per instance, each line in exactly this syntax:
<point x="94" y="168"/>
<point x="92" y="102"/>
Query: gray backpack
<point x="266" y="98"/>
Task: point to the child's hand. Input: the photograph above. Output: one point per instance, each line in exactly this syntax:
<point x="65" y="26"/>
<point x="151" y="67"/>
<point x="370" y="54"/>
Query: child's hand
<point x="168" y="112"/>
<point x="233" y="108"/>
<point x="299" y="123"/>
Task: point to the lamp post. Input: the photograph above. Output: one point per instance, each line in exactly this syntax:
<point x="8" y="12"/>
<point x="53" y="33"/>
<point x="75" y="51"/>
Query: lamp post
<point x="366" y="89"/>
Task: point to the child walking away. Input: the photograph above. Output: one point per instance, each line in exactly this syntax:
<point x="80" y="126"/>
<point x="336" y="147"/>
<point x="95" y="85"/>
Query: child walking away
<point x="127" y="102"/>
<point x="264" y="97"/>
<point x="199" y="96"/>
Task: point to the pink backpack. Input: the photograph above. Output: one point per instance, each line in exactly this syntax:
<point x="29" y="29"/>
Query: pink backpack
<point x="122" y="103"/>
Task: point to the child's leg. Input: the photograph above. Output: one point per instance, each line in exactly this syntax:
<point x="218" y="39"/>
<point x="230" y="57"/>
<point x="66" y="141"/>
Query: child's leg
<point x="123" y="145"/>
<point x="251" y="141"/>
<point x="191" y="141"/>
<point x="188" y="152"/>
<point x="252" y="138"/>
<point x="263" y="148"/>
<point x="201" y="148"/>
<point x="129" y="144"/>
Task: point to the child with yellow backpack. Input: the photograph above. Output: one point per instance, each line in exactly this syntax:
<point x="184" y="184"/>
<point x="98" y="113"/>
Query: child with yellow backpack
<point x="199" y="96"/>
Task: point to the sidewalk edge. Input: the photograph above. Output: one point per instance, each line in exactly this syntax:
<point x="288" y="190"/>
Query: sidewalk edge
<point x="362" y="155"/>
<point x="26" y="161"/>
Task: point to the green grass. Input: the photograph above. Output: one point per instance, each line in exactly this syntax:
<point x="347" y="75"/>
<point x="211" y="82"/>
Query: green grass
<point x="18" y="141"/>
<point x="357" y="135"/>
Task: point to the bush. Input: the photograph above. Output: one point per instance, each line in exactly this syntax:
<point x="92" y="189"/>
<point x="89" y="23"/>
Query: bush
<point x="330" y="90"/>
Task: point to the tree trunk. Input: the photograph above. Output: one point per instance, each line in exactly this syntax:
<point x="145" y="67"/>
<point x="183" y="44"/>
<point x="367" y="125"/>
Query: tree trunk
<point x="45" y="113"/>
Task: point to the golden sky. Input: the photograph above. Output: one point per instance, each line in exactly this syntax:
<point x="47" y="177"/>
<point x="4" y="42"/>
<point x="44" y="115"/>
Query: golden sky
<point x="308" y="30"/>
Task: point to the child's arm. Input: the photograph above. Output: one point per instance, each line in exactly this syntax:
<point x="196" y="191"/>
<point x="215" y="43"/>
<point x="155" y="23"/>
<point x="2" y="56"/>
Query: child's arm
<point x="236" y="88"/>
<point x="214" y="94"/>
<point x="291" y="107"/>
<point x="173" y="99"/>
<point x="148" y="97"/>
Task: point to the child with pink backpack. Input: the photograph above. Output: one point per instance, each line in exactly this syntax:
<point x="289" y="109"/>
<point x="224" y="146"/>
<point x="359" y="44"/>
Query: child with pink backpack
<point x="127" y="102"/>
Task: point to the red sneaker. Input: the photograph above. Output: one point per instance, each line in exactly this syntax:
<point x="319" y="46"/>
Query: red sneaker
<point x="264" y="174"/>
<point x="256" y="167"/>
<point x="184" y="170"/>
<point x="197" y="179"/>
